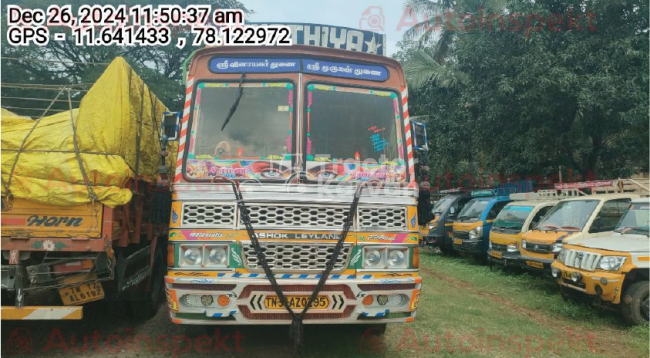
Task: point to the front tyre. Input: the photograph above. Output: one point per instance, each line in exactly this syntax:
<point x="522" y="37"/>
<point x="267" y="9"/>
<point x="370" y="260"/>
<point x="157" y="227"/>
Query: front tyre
<point x="147" y="308"/>
<point x="635" y="303"/>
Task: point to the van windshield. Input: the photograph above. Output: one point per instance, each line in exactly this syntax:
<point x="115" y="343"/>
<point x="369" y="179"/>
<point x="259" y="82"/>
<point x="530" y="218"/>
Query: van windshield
<point x="569" y="215"/>
<point x="473" y="210"/>
<point x="512" y="217"/>
<point x="635" y="220"/>
<point x="443" y="204"/>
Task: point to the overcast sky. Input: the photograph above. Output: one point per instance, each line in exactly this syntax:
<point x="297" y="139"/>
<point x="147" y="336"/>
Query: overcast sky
<point x="364" y="14"/>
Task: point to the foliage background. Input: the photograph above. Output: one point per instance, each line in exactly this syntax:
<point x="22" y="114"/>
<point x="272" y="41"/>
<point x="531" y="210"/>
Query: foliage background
<point x="521" y="103"/>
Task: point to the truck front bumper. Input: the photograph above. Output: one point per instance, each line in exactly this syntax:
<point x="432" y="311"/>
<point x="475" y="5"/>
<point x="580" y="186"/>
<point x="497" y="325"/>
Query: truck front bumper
<point x="246" y="299"/>
<point x="469" y="246"/>
<point x="434" y="239"/>
<point x="606" y="285"/>
<point x="505" y="258"/>
<point x="42" y="313"/>
<point x="536" y="264"/>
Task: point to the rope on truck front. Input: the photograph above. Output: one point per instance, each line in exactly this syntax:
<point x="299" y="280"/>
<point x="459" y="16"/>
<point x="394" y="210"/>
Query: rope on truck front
<point x="296" y="329"/>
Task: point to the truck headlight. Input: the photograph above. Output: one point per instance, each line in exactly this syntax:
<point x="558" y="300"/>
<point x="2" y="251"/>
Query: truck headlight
<point x="216" y="255"/>
<point x="211" y="256"/>
<point x="382" y="257"/>
<point x="556" y="247"/>
<point x="374" y="258"/>
<point x="192" y="256"/>
<point x="432" y="225"/>
<point x="512" y="248"/>
<point x="397" y="258"/>
<point x="523" y="244"/>
<point x="562" y="256"/>
<point x="475" y="234"/>
<point x="611" y="263"/>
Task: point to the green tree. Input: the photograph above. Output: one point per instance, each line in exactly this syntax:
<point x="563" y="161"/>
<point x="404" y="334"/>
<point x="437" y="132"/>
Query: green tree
<point x="529" y="99"/>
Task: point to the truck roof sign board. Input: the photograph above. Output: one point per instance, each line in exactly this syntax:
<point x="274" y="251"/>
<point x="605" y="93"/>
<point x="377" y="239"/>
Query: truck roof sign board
<point x="349" y="70"/>
<point x="344" y="38"/>
<point x="277" y="65"/>
<point x="253" y="65"/>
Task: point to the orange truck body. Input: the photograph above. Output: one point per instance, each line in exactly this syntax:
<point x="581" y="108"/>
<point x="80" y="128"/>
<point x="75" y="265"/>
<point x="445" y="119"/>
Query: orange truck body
<point x="73" y="249"/>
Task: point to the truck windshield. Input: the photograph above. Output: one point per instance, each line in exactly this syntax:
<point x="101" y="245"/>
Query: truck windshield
<point x="512" y="217"/>
<point x="569" y="215"/>
<point x="473" y="210"/>
<point x="256" y="143"/>
<point x="353" y="134"/>
<point x="636" y="220"/>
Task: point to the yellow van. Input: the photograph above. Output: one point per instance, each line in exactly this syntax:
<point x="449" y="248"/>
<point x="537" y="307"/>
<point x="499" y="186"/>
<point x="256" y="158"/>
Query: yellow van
<point x="581" y="217"/>
<point x="518" y="217"/>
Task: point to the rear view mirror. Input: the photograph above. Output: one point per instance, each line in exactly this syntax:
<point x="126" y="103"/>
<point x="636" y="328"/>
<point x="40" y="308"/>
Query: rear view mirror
<point x="420" y="136"/>
<point x="170" y="125"/>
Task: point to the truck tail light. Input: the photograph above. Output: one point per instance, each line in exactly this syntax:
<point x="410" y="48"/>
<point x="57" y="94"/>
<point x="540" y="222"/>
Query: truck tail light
<point x="73" y="266"/>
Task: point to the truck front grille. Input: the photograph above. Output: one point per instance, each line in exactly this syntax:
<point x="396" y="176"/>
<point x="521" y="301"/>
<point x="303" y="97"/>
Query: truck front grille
<point x="302" y="216"/>
<point x="209" y="215"/>
<point x="297" y="216"/>
<point x="584" y="260"/>
<point x="296" y="257"/>
<point x="539" y="248"/>
<point x="382" y="218"/>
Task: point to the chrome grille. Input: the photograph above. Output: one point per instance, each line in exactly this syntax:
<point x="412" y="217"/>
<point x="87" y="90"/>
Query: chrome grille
<point x="584" y="260"/>
<point x="382" y="218"/>
<point x="296" y="257"/>
<point x="200" y="214"/>
<point x="297" y="216"/>
<point x="539" y="248"/>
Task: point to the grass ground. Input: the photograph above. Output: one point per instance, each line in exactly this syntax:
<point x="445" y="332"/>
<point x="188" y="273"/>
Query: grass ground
<point x="468" y="310"/>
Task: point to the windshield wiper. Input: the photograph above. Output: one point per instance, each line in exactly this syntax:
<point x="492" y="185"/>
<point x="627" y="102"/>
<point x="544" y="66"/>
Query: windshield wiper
<point x="627" y="229"/>
<point x="236" y="104"/>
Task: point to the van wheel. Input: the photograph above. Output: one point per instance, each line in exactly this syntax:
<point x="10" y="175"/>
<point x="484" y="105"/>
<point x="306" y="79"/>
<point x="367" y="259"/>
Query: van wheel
<point x="147" y="308"/>
<point x="635" y="303"/>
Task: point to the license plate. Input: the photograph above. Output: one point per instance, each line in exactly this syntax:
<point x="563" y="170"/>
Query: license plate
<point x="566" y="275"/>
<point x="296" y="302"/>
<point x="496" y="254"/>
<point x="535" y="264"/>
<point x="81" y="294"/>
<point x="458" y="241"/>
